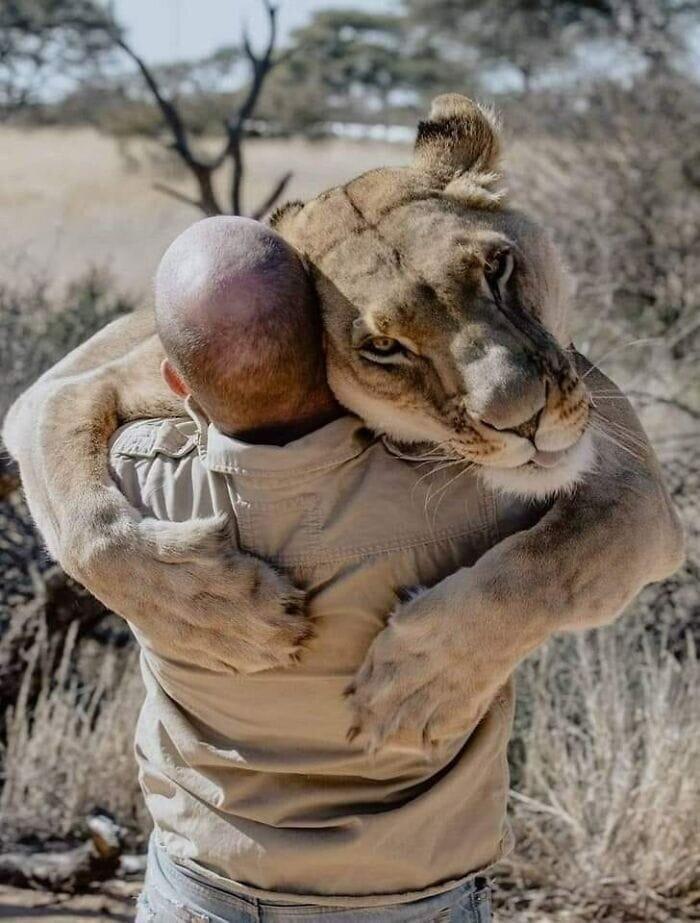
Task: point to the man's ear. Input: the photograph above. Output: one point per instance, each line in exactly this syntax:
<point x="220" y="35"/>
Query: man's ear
<point x="173" y="379"/>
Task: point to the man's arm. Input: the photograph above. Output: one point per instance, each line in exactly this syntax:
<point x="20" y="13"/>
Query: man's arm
<point x="183" y="578"/>
<point x="445" y="654"/>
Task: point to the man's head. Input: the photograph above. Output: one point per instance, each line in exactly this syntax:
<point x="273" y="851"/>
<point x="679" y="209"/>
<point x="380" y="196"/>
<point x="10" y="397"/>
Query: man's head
<point x="238" y="319"/>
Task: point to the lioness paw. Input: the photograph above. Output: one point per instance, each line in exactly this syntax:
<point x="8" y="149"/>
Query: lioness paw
<point x="265" y="612"/>
<point x="195" y="596"/>
<point x="422" y="682"/>
<point x="277" y="612"/>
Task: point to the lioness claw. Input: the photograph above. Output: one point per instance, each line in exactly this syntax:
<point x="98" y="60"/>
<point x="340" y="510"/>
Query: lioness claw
<point x="424" y="677"/>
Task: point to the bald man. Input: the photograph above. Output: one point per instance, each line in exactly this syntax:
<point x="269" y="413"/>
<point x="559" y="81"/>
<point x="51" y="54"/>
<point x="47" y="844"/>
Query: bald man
<point x="242" y="331"/>
<point x="263" y="809"/>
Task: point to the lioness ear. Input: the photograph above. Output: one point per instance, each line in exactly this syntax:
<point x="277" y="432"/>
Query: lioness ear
<point x="284" y="214"/>
<point x="459" y="136"/>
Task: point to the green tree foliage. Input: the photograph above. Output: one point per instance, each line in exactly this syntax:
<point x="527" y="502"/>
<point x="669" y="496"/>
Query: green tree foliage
<point x="522" y="34"/>
<point x="42" y="37"/>
<point x="533" y="35"/>
<point x="349" y="61"/>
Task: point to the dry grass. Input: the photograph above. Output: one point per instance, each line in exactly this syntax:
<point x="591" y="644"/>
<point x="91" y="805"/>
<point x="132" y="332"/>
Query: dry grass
<point x="70" y="749"/>
<point x="605" y="760"/>
<point x="72" y="198"/>
<point x="605" y="805"/>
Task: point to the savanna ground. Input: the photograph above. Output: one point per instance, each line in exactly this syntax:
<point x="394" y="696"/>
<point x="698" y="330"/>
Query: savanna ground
<point x="607" y="745"/>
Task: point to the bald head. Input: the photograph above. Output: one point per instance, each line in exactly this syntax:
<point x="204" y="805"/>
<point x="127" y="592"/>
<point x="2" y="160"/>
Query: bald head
<point x="239" y="323"/>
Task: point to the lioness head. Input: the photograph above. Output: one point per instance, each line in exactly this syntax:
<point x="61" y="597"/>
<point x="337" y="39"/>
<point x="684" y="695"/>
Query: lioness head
<point x="445" y="311"/>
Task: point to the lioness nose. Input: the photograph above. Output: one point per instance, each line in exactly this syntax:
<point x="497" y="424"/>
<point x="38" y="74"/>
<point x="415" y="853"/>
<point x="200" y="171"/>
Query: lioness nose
<point x="504" y="387"/>
<point x="518" y="411"/>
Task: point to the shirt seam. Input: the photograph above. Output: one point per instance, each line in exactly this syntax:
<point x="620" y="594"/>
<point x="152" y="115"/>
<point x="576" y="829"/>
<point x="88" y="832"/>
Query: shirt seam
<point x="378" y="549"/>
<point x="264" y="474"/>
<point x="491" y="517"/>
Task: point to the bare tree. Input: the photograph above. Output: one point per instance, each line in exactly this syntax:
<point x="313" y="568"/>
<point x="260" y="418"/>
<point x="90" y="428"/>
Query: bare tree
<point x="37" y="33"/>
<point x="202" y="169"/>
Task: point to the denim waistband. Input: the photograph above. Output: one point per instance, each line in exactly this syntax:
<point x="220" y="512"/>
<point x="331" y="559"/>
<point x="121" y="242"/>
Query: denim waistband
<point x="180" y="884"/>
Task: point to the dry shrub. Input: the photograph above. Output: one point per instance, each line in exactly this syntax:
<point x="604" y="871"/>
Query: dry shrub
<point x="615" y="185"/>
<point x="606" y="749"/>
<point x="71" y="749"/>
<point x="38" y="327"/>
<point x="607" y="785"/>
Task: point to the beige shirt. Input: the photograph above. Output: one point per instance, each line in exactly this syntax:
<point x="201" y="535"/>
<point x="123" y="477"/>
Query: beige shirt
<point x="249" y="778"/>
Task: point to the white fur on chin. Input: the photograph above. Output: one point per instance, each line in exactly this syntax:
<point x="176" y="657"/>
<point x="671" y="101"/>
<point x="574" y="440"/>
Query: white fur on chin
<point x="540" y="483"/>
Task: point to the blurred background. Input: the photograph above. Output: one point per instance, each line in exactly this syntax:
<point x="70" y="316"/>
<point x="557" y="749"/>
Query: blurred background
<point x="121" y="124"/>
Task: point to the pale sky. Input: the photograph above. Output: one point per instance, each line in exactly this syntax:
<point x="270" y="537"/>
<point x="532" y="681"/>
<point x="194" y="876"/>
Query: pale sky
<point x="163" y="30"/>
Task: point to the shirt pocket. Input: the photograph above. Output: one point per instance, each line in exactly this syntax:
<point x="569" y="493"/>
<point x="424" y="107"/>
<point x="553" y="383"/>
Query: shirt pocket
<point x="285" y="531"/>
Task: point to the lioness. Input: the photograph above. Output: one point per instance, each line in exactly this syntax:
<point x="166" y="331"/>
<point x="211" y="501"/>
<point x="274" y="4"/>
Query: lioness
<point x="446" y="322"/>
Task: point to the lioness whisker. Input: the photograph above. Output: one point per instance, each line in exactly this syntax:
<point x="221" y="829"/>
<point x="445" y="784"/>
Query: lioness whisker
<point x="429" y="496"/>
<point x="612" y="392"/>
<point x="436" y="466"/>
<point x="434" y="470"/>
<point x="606" y="435"/>
<point x="611" y="352"/>
<point x="611" y="439"/>
<point x="622" y="431"/>
<point x="452" y="484"/>
<point x="437" y="458"/>
<point x="614" y="429"/>
<point x="441" y="493"/>
<point x="440" y="447"/>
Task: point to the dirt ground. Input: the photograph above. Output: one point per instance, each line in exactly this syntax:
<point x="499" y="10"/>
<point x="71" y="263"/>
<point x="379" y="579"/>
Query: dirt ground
<point x="72" y="198"/>
<point x="116" y="903"/>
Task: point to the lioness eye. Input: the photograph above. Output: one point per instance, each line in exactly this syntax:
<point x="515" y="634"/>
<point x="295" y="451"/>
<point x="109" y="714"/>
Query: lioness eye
<point x="384" y="345"/>
<point x="384" y="350"/>
<point x="499" y="267"/>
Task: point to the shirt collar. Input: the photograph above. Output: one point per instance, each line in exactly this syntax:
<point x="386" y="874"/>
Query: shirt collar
<point x="327" y="447"/>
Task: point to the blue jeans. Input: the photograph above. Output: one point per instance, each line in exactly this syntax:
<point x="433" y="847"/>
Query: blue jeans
<point x="173" y="894"/>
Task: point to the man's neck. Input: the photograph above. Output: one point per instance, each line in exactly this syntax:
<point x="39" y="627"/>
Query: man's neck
<point x="281" y="433"/>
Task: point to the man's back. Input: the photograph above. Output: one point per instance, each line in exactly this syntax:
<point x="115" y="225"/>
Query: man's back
<point x="251" y="777"/>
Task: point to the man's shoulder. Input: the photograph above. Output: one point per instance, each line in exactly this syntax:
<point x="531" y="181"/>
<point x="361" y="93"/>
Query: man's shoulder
<point x="155" y="464"/>
<point x="170" y="438"/>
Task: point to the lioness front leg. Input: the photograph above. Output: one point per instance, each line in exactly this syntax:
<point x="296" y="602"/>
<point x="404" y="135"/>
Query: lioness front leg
<point x="184" y="584"/>
<point x="445" y="654"/>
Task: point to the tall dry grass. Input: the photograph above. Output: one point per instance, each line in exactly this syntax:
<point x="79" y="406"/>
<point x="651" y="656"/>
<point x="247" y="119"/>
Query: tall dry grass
<point x="605" y="770"/>
<point x="69" y="747"/>
<point x="607" y="781"/>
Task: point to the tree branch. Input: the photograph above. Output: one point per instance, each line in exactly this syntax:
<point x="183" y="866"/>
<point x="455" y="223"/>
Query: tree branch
<point x="274" y="195"/>
<point x="235" y="126"/>
<point x="176" y="194"/>
<point x="170" y="113"/>
<point x="201" y="171"/>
